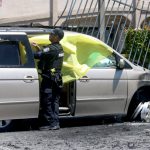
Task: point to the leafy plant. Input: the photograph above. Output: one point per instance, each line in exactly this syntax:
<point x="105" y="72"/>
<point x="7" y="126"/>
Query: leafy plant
<point x="137" y="46"/>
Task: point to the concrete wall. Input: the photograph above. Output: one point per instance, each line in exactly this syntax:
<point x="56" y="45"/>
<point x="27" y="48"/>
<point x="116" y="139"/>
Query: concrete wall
<point x="19" y="10"/>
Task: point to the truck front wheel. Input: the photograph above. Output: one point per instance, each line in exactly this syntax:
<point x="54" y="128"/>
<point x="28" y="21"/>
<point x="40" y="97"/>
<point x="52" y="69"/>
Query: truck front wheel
<point x="139" y="109"/>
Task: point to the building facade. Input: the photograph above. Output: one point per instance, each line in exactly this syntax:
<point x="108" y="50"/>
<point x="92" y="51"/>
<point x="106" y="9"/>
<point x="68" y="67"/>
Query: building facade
<point x="47" y="12"/>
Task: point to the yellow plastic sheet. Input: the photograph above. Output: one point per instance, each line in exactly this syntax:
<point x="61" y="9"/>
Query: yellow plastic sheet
<point x="22" y="53"/>
<point x="81" y="53"/>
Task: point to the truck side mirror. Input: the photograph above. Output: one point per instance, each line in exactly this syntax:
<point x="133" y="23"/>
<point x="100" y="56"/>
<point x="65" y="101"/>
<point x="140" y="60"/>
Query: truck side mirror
<point x="121" y="64"/>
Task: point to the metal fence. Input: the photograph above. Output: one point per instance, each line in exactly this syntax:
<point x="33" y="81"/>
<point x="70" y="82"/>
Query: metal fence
<point x="122" y="24"/>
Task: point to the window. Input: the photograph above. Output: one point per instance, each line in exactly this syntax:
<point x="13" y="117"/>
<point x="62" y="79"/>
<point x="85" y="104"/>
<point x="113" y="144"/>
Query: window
<point x="109" y="62"/>
<point x="12" y="53"/>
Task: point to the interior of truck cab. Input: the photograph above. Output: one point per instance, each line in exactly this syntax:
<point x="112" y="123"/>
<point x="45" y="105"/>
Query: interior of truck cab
<point x="68" y="99"/>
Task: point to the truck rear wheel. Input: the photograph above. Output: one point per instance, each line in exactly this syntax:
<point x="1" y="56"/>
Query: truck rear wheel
<point x="6" y="125"/>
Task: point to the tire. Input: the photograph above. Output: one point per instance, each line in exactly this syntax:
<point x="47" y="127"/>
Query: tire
<point x="139" y="109"/>
<point x="6" y="125"/>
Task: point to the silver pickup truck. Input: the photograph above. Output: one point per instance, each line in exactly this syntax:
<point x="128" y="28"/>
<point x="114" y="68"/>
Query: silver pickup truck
<point x="114" y="86"/>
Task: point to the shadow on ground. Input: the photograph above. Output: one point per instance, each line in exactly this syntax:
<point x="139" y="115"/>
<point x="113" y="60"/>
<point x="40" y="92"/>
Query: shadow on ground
<point x="65" y="122"/>
<point x="89" y="120"/>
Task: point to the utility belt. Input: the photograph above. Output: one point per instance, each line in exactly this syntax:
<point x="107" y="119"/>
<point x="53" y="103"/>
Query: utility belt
<point x="51" y="71"/>
<point x="54" y="75"/>
<point x="54" y="71"/>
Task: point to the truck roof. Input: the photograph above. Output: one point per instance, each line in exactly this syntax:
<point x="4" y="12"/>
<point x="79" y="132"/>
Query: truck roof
<point x="11" y="33"/>
<point x="25" y="29"/>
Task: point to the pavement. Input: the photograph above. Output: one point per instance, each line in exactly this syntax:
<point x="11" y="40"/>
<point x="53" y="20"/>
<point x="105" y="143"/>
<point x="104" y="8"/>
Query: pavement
<point x="97" y="136"/>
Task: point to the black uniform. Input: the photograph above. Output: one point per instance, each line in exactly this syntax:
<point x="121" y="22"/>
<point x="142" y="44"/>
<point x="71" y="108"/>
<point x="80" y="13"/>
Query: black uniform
<point x="50" y="64"/>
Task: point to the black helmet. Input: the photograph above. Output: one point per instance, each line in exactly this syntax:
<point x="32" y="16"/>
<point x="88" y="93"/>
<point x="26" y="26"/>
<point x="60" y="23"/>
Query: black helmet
<point x="59" y="32"/>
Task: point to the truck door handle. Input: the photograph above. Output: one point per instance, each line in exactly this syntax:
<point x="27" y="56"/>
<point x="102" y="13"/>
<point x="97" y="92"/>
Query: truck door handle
<point x="84" y="79"/>
<point x="28" y="79"/>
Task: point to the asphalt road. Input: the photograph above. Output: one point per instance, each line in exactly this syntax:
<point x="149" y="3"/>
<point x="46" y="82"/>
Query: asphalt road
<point x="81" y="134"/>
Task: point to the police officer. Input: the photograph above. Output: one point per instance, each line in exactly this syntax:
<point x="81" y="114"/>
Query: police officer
<point x="50" y="64"/>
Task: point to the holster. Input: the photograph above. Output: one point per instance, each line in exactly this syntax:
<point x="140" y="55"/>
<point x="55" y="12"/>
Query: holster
<point x="57" y="78"/>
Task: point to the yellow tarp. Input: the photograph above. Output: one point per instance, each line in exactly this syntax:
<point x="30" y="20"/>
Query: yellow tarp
<point x="81" y="53"/>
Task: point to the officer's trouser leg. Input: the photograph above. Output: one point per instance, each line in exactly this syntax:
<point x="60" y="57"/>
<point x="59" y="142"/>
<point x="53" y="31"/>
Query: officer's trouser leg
<point x="50" y="103"/>
<point x="56" y="98"/>
<point x="51" y="107"/>
<point x="57" y="86"/>
<point x="45" y="103"/>
<point x="48" y="109"/>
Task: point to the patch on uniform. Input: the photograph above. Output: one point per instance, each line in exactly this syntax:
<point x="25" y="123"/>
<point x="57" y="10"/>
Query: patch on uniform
<point x="48" y="90"/>
<point x="61" y="55"/>
<point x="46" y="49"/>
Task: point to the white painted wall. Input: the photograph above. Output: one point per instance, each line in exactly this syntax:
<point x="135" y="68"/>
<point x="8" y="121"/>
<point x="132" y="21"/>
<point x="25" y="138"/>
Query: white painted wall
<point x="17" y="8"/>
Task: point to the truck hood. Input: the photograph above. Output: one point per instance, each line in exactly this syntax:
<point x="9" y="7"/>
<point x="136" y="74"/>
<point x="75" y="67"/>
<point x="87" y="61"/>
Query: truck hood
<point x="140" y="68"/>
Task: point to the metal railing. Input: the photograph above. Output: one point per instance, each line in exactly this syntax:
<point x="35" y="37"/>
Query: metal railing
<point x="114" y="22"/>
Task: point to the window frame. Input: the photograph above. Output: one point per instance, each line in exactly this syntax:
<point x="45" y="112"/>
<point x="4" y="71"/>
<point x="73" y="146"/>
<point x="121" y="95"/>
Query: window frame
<point x="117" y="58"/>
<point x="24" y="40"/>
<point x="115" y="67"/>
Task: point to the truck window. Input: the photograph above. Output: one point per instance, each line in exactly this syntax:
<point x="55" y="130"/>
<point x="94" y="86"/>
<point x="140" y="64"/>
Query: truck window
<point x="12" y="53"/>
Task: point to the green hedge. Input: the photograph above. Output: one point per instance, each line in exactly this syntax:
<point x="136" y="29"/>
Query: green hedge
<point x="136" y="42"/>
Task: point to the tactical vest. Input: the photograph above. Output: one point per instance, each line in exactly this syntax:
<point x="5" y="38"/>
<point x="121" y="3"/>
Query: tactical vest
<point x="52" y="58"/>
